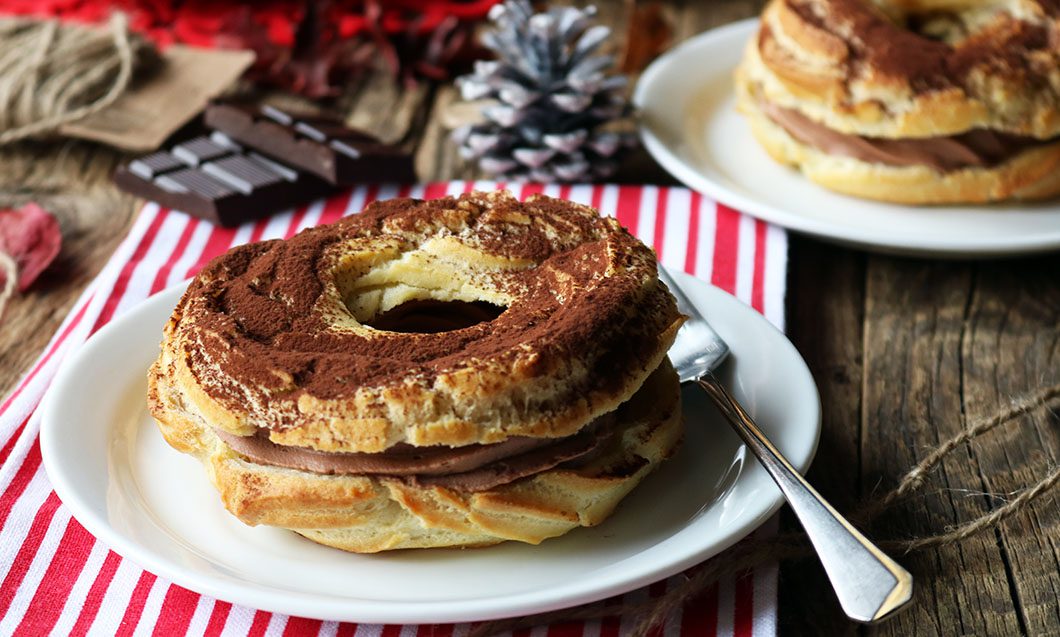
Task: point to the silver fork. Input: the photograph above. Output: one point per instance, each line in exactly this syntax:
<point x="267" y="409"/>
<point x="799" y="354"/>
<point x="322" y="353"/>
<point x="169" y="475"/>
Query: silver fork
<point x="869" y="584"/>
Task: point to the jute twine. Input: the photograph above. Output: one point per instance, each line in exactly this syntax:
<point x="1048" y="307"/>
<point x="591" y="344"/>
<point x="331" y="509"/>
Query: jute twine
<point x="749" y="554"/>
<point x="53" y="74"/>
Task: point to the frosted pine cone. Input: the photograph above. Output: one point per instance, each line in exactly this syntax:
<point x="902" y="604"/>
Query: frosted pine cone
<point x="550" y="92"/>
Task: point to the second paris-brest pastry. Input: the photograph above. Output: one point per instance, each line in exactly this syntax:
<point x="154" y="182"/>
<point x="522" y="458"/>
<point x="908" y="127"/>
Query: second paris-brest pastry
<point x="455" y="372"/>
<point x="911" y="101"/>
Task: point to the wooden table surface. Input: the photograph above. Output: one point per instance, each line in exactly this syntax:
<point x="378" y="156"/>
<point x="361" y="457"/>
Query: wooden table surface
<point x="905" y="352"/>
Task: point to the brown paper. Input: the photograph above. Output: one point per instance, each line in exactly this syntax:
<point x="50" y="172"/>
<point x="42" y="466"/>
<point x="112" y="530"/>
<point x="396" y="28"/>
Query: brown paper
<point x="141" y="119"/>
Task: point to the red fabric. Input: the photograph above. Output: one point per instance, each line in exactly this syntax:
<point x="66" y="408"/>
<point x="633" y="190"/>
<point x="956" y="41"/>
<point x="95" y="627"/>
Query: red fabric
<point x="200" y="22"/>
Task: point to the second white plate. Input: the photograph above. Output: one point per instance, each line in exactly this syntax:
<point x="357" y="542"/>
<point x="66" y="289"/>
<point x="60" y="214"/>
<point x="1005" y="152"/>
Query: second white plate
<point x="155" y="506"/>
<point x="690" y="125"/>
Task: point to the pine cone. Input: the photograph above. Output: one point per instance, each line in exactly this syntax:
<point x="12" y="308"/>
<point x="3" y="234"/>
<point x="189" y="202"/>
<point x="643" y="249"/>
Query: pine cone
<point x="551" y="92"/>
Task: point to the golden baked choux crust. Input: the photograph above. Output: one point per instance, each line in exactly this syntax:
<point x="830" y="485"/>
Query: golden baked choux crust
<point x="369" y="514"/>
<point x="857" y="69"/>
<point x="277" y="335"/>
<point x="971" y="90"/>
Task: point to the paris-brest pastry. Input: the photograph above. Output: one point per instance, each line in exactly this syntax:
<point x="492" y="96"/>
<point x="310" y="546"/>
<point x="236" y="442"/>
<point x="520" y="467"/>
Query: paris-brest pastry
<point x="454" y="372"/>
<point x="911" y="101"/>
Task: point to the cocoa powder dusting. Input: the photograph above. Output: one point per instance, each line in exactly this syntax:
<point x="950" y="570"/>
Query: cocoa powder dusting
<point x="259" y="302"/>
<point x="880" y="47"/>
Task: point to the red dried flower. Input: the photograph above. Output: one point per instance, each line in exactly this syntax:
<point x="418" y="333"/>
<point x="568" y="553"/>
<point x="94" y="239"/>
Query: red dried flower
<point x="31" y="237"/>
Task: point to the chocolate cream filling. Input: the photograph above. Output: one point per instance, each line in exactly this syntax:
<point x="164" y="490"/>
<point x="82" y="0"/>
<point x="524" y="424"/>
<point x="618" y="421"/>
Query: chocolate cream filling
<point x="469" y="468"/>
<point x="978" y="148"/>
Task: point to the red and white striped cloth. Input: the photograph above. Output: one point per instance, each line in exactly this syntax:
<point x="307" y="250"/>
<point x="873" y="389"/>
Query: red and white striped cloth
<point x="58" y="579"/>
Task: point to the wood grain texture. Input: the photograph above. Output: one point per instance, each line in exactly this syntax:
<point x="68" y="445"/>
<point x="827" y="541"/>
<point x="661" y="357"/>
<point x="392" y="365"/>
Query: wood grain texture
<point x="914" y="320"/>
<point x="72" y="181"/>
<point x="826" y="296"/>
<point x="906" y="352"/>
<point x="1011" y="343"/>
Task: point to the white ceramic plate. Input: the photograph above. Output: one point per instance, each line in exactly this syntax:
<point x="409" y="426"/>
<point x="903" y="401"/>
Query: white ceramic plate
<point x="690" y="125"/>
<point x="154" y="506"/>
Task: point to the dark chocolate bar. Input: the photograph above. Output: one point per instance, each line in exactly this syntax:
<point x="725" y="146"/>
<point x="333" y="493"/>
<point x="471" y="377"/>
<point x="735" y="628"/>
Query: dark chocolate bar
<point x="323" y="146"/>
<point x="218" y="180"/>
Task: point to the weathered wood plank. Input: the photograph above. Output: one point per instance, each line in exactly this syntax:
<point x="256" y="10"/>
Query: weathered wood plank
<point x="915" y="319"/>
<point x="71" y="180"/>
<point x="826" y="289"/>
<point x="1011" y="347"/>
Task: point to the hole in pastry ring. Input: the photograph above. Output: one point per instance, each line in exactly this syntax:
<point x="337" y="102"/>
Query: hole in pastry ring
<point x="912" y="68"/>
<point x="273" y="335"/>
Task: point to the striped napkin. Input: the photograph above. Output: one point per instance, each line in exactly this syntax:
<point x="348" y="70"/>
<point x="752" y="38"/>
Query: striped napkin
<point x="58" y="579"/>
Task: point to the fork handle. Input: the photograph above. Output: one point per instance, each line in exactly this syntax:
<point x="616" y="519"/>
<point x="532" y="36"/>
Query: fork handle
<point x="869" y="584"/>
